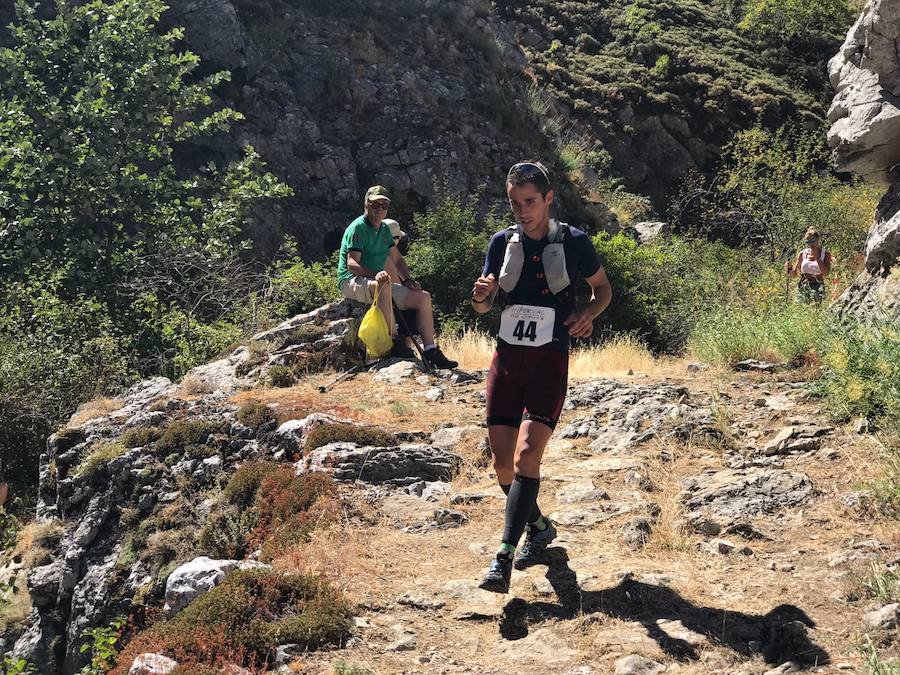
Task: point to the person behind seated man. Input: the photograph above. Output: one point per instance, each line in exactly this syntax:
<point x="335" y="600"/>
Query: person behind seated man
<point x="366" y="248"/>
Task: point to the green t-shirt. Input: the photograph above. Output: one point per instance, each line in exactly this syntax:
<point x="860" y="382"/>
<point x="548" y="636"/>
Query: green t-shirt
<point x="374" y="245"/>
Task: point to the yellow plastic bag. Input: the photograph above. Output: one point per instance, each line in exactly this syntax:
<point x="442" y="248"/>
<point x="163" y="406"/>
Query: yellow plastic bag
<point x="374" y="332"/>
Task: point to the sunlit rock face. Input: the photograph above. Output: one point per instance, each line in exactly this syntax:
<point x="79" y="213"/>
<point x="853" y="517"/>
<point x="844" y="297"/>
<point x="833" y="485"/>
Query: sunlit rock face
<point x="865" y="138"/>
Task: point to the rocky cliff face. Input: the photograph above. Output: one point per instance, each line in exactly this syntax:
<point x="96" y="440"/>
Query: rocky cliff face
<point x="865" y="136"/>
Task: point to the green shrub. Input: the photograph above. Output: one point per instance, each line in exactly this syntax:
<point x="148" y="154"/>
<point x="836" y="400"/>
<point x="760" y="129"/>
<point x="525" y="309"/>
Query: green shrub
<point x="447" y="254"/>
<point x="138" y="437"/>
<point x="861" y="374"/>
<point x="348" y="433"/>
<point x="301" y="287"/>
<point x="788" y="333"/>
<point x="281" y="376"/>
<point x="97" y="459"/>
<point x="255" y="414"/>
<point x="289" y="507"/>
<point x="180" y="434"/>
<point x="224" y="534"/>
<point x="243" y="484"/>
<point x="199" y="451"/>
<point x="245" y="617"/>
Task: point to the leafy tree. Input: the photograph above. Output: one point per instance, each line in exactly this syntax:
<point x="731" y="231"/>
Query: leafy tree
<point x="96" y="101"/>
<point x="114" y="258"/>
<point x="805" y="20"/>
<point x="447" y="254"/>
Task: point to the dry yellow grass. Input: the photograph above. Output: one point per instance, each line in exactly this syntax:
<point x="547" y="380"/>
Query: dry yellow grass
<point x="616" y="356"/>
<point x="94" y="409"/>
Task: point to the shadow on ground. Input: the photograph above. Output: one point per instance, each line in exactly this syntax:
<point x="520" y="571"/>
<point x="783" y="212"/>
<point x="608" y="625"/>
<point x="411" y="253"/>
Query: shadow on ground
<point x="777" y="637"/>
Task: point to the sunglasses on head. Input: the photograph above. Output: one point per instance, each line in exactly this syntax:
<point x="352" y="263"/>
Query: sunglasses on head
<point x="379" y="205"/>
<point x="812" y="241"/>
<point x="529" y="169"/>
<point x="397" y="237"/>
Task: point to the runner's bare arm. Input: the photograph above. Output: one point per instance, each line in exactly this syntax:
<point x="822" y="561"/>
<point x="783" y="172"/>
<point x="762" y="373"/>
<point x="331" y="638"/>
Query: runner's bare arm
<point x="825" y="265"/>
<point x="581" y="323"/>
<point x="483" y="293"/>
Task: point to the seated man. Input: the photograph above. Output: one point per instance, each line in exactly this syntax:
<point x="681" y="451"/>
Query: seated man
<point x="365" y="248"/>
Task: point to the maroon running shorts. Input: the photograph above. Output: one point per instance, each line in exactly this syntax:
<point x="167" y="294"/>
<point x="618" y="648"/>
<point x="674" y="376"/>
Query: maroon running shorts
<point x="526" y="383"/>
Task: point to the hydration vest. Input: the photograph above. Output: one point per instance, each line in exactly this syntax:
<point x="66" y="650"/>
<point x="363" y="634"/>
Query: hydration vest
<point x="553" y="258"/>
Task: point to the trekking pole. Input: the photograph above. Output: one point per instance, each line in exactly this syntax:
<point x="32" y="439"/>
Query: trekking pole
<point x="399" y="313"/>
<point x="346" y="375"/>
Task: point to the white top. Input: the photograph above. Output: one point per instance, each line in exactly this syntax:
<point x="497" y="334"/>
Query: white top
<point x="809" y="264"/>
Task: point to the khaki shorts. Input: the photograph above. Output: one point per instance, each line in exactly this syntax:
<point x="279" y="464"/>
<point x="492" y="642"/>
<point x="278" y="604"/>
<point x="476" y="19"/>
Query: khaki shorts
<point x="362" y="289"/>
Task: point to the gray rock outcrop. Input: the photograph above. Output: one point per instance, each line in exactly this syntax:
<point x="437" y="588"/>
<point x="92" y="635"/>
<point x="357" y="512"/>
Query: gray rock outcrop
<point x="865" y="138"/>
<point x="199" y="576"/>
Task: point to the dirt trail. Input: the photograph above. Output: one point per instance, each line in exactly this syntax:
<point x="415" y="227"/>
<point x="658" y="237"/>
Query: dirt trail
<point x="776" y="592"/>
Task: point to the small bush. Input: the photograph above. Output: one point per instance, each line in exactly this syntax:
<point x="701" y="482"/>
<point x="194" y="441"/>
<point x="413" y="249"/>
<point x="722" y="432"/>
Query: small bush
<point x="255" y="414"/>
<point x="281" y="376"/>
<point x="289" y="507"/>
<point x="242" y="487"/>
<point x="347" y="433"/>
<point x="139" y="437"/>
<point x="245" y="618"/>
<point x="224" y="534"/>
<point x="199" y="451"/>
<point x="183" y="433"/>
<point x="98" y="458"/>
<point x="789" y="332"/>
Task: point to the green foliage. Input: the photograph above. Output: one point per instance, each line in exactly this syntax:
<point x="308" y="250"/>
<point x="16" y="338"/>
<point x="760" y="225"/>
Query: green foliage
<point x="9" y="529"/>
<point x="242" y="486"/>
<point x="300" y="287"/>
<point x="180" y="434"/>
<point x="112" y="261"/>
<point x="784" y="332"/>
<point x="13" y="666"/>
<point x="281" y="376"/>
<point x="447" y="254"/>
<point x="803" y="20"/>
<point x="255" y="414"/>
<point x="97" y="459"/>
<point x="245" y="617"/>
<point x="348" y="433"/>
<point x="861" y="374"/>
<point x="661" y="289"/>
<point x="771" y="187"/>
<point x="138" y="437"/>
<point x="342" y="667"/>
<point x="882" y="584"/>
<point x="875" y="665"/>
<point x="102" y="646"/>
<point x="224" y="534"/>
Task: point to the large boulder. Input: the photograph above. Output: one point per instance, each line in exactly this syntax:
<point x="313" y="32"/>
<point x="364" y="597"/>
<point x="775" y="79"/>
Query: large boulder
<point x="398" y="465"/>
<point x="197" y="577"/>
<point x="865" y="139"/>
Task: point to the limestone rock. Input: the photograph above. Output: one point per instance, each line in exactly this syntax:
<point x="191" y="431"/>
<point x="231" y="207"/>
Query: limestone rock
<point x="197" y="577"/>
<point x="884" y="618"/>
<point x="152" y="664"/>
<point x="293" y="433"/>
<point x="741" y="493"/>
<point x="397" y="372"/>
<point x="635" y="664"/>
<point x="398" y="465"/>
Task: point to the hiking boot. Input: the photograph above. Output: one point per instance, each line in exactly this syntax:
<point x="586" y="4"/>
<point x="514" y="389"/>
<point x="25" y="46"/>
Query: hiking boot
<point x="437" y="359"/>
<point x="535" y="542"/>
<point x="401" y="350"/>
<point x="497" y="577"/>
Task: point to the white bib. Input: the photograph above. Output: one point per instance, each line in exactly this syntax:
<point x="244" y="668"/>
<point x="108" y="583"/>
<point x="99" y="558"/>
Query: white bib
<point x="527" y="325"/>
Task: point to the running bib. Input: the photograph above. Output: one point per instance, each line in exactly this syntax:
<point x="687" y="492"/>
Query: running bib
<point x="527" y="325"/>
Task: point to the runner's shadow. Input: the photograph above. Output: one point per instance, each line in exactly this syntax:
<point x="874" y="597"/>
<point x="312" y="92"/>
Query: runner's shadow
<point x="778" y="636"/>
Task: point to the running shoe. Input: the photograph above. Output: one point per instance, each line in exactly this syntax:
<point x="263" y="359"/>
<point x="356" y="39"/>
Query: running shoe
<point x="535" y="542"/>
<point x="437" y="359"/>
<point x="497" y="577"/>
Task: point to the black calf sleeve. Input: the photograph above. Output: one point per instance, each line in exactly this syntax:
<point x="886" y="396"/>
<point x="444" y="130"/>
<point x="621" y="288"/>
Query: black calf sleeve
<point x="520" y="504"/>
<point x="535" y="512"/>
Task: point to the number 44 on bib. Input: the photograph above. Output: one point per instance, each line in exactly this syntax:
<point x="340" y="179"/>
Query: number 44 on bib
<point x="527" y="325"/>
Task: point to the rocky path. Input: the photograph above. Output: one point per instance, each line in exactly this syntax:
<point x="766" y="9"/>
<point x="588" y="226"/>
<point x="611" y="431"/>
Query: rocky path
<point x="706" y="526"/>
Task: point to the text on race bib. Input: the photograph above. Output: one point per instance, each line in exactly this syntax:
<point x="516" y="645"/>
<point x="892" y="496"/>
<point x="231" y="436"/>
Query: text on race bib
<point x="527" y="325"/>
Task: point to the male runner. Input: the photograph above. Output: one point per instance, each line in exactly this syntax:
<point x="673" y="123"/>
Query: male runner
<point x="534" y="263"/>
